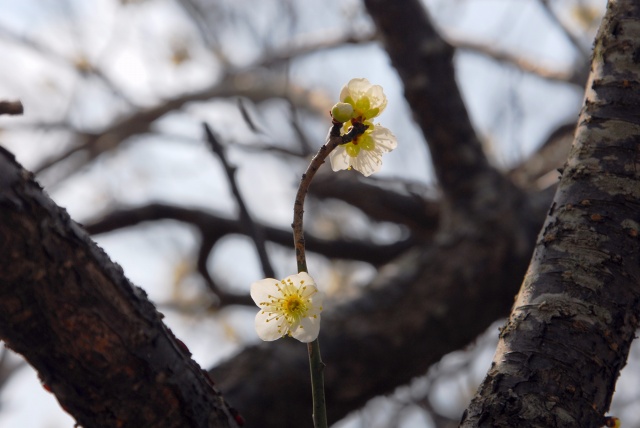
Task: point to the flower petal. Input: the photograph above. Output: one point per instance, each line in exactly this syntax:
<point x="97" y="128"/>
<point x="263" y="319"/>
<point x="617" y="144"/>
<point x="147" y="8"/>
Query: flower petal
<point x="357" y="88"/>
<point x="263" y="289"/>
<point x="339" y="159"/>
<point x="384" y="138"/>
<point x="368" y="162"/>
<point x="317" y="300"/>
<point x="308" y="329"/>
<point x="377" y="98"/>
<point x="268" y="328"/>
<point x="301" y="278"/>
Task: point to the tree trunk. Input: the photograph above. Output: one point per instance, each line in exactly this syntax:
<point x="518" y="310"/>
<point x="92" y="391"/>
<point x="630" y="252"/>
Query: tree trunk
<point x="571" y="327"/>
<point x="96" y="341"/>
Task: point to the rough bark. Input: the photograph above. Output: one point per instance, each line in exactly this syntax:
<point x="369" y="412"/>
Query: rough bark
<point x="571" y="327"/>
<point x="96" y="341"/>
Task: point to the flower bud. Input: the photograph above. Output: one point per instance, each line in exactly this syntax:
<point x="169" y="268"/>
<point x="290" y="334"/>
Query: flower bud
<point x="342" y="112"/>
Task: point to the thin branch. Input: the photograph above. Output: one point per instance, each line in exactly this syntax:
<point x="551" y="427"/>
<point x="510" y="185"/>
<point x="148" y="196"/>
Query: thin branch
<point x="250" y="82"/>
<point x="218" y="226"/>
<point x="70" y="63"/>
<point x="224" y="298"/>
<point x="307" y="146"/>
<point x="253" y="229"/>
<point x="532" y="172"/>
<point x="313" y="348"/>
<point x="314" y="45"/>
<point x="11" y="107"/>
<point x="256" y="86"/>
<point x="584" y="52"/>
<point x="577" y="76"/>
<point x="204" y="28"/>
<point x="334" y="140"/>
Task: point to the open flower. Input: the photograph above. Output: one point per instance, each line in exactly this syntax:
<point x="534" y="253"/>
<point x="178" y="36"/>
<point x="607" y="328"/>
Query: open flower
<point x="365" y="152"/>
<point x="367" y="100"/>
<point x="289" y="307"/>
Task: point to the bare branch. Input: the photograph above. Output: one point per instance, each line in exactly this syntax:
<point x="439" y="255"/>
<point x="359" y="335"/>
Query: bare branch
<point x="577" y="76"/>
<point x="254" y="230"/>
<point x="11" y="107"/>
<point x="419" y="215"/>
<point x="257" y="86"/>
<point x="577" y="44"/>
<point x="218" y="226"/>
<point x="81" y="68"/>
<point x="424" y="62"/>
<point x="251" y="82"/>
<point x="224" y="297"/>
<point x="540" y="169"/>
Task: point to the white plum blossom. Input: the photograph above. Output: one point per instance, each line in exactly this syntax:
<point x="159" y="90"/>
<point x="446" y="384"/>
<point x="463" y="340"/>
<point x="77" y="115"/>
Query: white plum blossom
<point x="365" y="152"/>
<point x="290" y="307"/>
<point x="367" y="100"/>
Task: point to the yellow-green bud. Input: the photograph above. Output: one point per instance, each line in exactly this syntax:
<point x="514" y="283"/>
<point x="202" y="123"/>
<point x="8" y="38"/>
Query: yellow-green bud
<point x="342" y="112"/>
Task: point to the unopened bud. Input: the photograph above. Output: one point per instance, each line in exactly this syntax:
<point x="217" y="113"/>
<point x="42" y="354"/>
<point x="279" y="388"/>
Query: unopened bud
<point x="342" y="112"/>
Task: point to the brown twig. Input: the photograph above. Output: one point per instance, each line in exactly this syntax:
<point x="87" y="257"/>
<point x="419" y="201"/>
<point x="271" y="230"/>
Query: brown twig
<point x="577" y="76"/>
<point x="11" y="107"/>
<point x="253" y="229"/>
<point x="334" y="140"/>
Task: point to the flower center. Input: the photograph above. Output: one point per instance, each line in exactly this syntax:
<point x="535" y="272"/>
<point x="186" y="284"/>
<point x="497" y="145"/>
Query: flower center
<point x="293" y="305"/>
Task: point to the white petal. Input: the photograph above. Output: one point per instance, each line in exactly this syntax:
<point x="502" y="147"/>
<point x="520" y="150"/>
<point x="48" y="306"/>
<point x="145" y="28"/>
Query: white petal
<point x="316" y="302"/>
<point x="302" y="277"/>
<point x="344" y="93"/>
<point x="308" y="329"/>
<point x="339" y="159"/>
<point x="377" y="97"/>
<point x="261" y="290"/>
<point x="384" y="138"/>
<point x="368" y="162"/>
<point x="269" y="330"/>
<point x="358" y="87"/>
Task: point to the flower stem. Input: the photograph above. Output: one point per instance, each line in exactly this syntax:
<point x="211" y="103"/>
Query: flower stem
<point x="315" y="360"/>
<point x="334" y="140"/>
<point x="317" y="385"/>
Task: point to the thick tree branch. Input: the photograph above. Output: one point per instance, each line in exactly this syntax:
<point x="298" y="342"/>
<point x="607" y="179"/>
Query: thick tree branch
<point x="419" y="215"/>
<point x="571" y="327"/>
<point x="424" y="62"/>
<point x="96" y="341"/>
